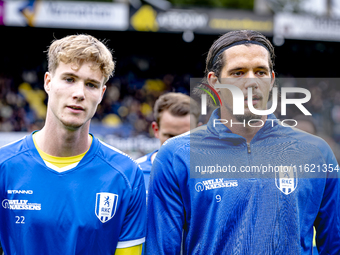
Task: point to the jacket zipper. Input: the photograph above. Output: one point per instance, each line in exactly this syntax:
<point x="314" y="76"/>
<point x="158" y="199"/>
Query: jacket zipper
<point x="248" y="147"/>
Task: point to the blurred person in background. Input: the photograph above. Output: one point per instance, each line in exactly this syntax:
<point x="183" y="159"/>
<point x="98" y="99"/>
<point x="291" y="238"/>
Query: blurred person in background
<point x="63" y="190"/>
<point x="174" y="114"/>
<point x="307" y="124"/>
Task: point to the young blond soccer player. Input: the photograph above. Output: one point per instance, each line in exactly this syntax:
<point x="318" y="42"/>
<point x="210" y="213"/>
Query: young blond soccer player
<point x="63" y="190"/>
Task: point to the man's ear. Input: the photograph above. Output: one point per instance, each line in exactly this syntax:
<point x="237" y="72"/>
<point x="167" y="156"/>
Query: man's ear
<point x="47" y="82"/>
<point x="103" y="92"/>
<point x="155" y="129"/>
<point x="213" y="80"/>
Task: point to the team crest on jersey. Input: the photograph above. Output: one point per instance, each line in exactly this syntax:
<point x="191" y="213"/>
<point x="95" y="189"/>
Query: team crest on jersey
<point x="106" y="204"/>
<point x="286" y="180"/>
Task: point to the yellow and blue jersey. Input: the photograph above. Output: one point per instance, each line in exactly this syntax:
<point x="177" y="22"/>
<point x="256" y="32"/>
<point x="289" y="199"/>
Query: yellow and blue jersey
<point x="96" y="207"/>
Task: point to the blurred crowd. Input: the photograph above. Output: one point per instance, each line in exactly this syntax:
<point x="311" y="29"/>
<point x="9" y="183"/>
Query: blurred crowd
<point x="126" y="109"/>
<point x="324" y="106"/>
<point x="126" y="106"/>
<point x="125" y="112"/>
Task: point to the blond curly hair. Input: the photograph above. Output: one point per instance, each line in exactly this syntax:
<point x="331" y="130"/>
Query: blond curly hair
<point x="77" y="49"/>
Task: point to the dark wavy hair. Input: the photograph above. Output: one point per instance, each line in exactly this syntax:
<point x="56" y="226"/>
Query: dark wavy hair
<point x="230" y="38"/>
<point x="224" y="41"/>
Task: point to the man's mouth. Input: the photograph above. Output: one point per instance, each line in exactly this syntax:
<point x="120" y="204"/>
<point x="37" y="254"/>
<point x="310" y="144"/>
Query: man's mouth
<point x="255" y="99"/>
<point x="75" y="107"/>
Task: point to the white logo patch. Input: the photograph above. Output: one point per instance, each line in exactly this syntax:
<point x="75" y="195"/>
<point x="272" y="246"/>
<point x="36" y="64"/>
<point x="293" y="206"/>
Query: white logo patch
<point x="286" y="180"/>
<point x="215" y="184"/>
<point x="20" y="205"/>
<point x="106" y="204"/>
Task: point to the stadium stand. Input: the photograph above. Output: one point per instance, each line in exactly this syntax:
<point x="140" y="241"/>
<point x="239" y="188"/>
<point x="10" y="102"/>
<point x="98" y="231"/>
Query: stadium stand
<point x="144" y="72"/>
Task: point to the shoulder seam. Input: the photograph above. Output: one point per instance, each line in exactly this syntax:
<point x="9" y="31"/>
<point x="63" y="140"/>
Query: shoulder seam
<point x="118" y="151"/>
<point x="13" y="156"/>
<point x="123" y="154"/>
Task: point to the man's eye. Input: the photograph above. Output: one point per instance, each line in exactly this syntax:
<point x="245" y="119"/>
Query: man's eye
<point x="91" y="85"/>
<point x="261" y="73"/>
<point x="237" y="73"/>
<point x="69" y="79"/>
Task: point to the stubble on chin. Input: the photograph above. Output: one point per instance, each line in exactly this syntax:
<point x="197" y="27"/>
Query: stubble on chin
<point x="244" y="117"/>
<point x="248" y="116"/>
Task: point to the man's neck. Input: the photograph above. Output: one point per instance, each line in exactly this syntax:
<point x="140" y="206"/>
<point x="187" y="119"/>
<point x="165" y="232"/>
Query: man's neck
<point x="60" y="142"/>
<point x="241" y="127"/>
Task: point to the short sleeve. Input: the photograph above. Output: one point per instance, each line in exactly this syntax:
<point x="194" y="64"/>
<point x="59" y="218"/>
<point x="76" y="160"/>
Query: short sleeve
<point x="133" y="229"/>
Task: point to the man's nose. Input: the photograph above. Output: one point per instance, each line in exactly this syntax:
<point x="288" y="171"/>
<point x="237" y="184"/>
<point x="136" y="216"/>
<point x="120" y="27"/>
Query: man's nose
<point x="250" y="80"/>
<point x="79" y="93"/>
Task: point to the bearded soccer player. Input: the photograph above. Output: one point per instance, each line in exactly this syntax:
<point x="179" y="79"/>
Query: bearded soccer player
<point x="63" y="191"/>
<point x="243" y="213"/>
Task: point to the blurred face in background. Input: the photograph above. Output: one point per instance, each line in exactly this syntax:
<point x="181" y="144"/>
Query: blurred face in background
<point x="170" y="126"/>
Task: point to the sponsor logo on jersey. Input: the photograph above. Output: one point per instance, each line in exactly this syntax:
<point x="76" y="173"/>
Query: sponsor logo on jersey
<point x="20" y="205"/>
<point x="20" y="192"/>
<point x="106" y="204"/>
<point x="286" y="181"/>
<point x="215" y="184"/>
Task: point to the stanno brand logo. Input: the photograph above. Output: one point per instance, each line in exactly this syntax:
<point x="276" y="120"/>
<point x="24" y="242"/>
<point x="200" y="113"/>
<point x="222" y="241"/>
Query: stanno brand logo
<point x="20" y="192"/>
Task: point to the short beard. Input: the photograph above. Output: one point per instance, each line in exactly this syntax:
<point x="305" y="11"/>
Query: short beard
<point x="247" y="117"/>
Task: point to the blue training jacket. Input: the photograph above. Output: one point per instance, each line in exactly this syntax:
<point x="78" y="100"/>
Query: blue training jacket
<point x="145" y="165"/>
<point x="224" y="196"/>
